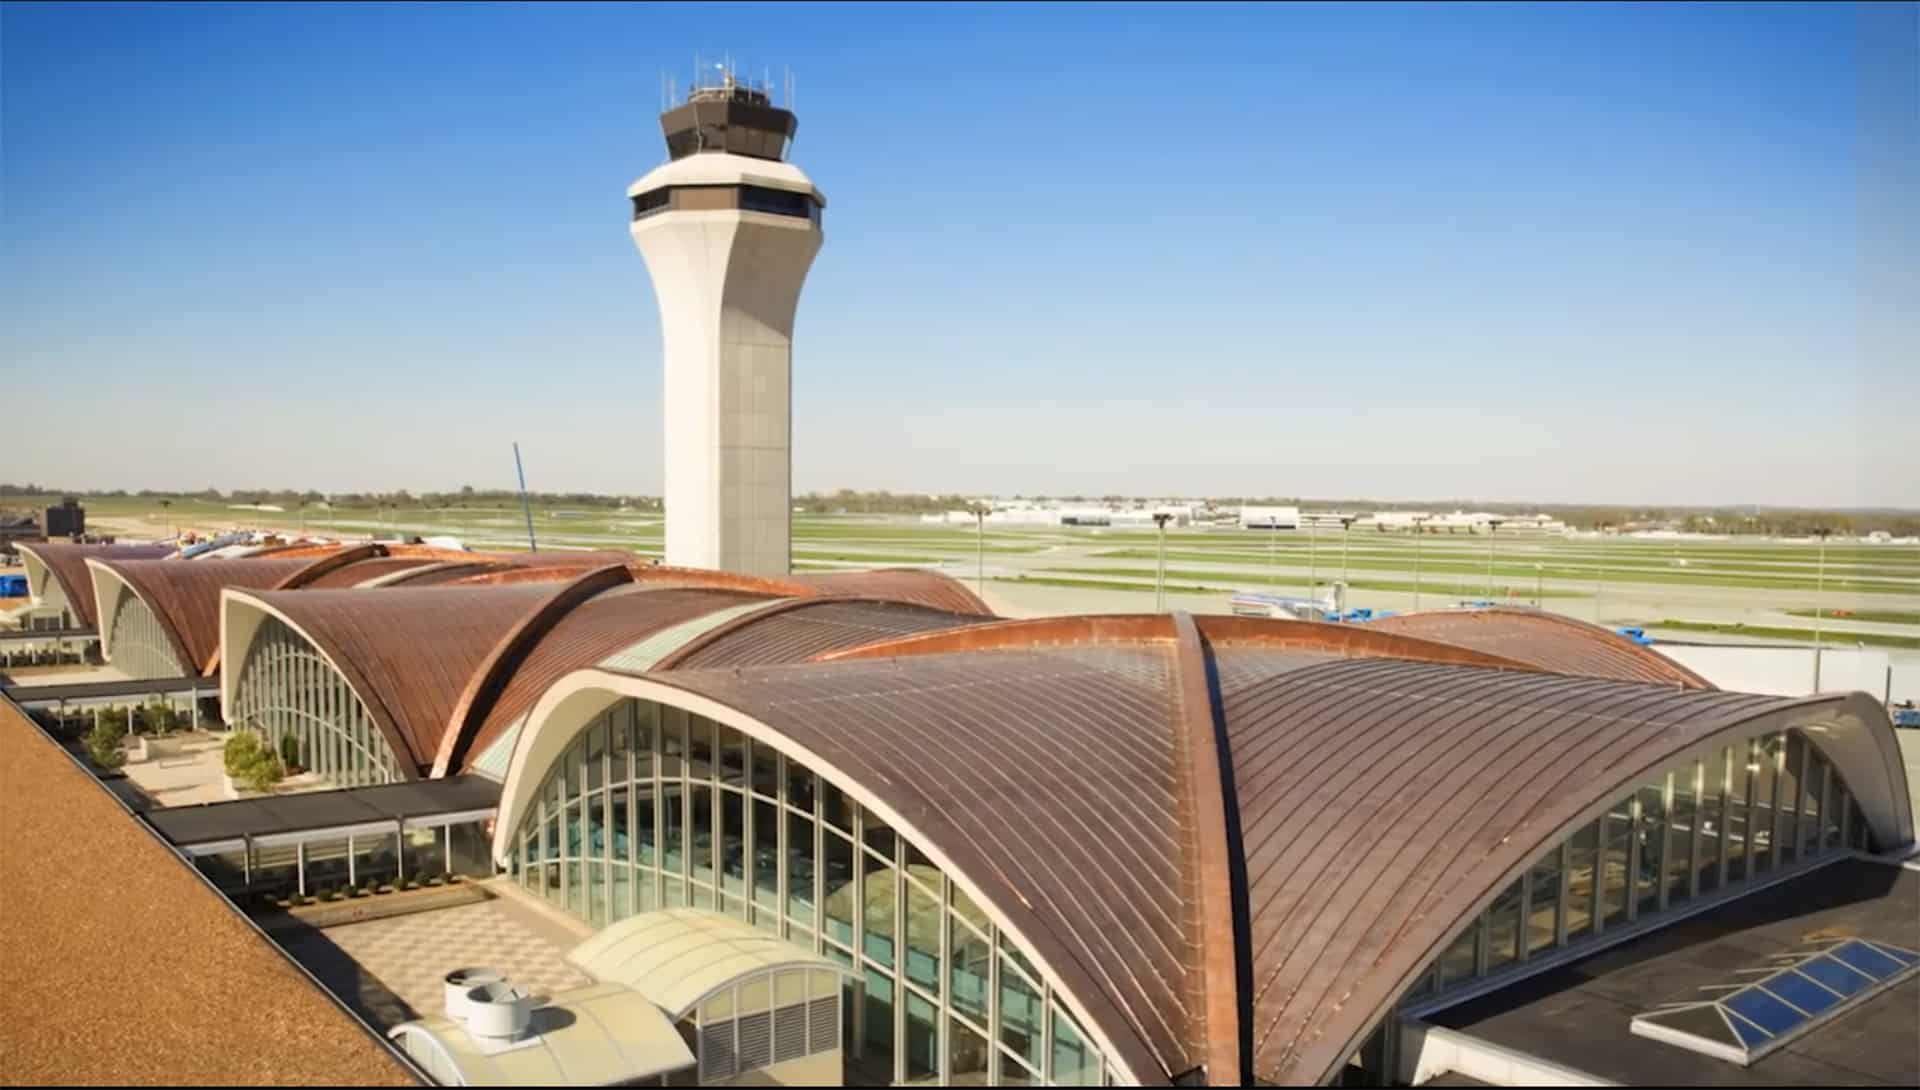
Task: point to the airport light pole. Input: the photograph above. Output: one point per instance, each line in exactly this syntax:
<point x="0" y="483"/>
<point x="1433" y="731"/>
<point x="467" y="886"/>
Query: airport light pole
<point x="980" y="571"/>
<point x="1539" y="572"/>
<point x="1273" y="542"/>
<point x="1418" y="533"/>
<point x="1819" y="599"/>
<point x="1493" y="527"/>
<point x="1160" y="574"/>
<point x="1346" y="536"/>
<point x="167" y="506"/>
<point x="1600" y="582"/>
<point x="1313" y="562"/>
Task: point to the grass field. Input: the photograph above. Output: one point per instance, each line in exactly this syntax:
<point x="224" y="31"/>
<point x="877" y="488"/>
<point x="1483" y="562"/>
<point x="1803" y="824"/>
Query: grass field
<point x="1877" y="616"/>
<point x="1735" y="587"/>
<point x="1256" y="581"/>
<point x="1801" y="635"/>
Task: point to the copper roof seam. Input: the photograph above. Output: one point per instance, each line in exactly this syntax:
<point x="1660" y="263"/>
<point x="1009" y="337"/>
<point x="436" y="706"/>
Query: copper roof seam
<point x="1084" y="728"/>
<point x="325" y="563"/>
<point x="1099" y="965"/>
<point x="1336" y="759"/>
<point x="1348" y="641"/>
<point x="1436" y="873"/>
<point x="1094" y="965"/>
<point x="1657" y="732"/>
<point x="1216" y="876"/>
<point x="1572" y="646"/>
<point x="1702" y="727"/>
<point x="1256" y="700"/>
<point x="1287" y="1007"/>
<point x="675" y="657"/>
<point x="1016" y="634"/>
<point x="1498" y="730"/>
<point x="1295" y="753"/>
<point x="1352" y="757"/>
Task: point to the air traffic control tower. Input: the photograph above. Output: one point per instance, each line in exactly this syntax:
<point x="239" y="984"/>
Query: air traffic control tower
<point x="728" y="229"/>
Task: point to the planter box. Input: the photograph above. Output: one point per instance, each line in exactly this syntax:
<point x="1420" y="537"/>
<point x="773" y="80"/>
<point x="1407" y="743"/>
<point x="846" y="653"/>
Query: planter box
<point x="136" y="748"/>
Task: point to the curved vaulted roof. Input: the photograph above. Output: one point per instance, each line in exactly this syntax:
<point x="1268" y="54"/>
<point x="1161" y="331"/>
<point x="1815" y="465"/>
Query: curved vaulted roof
<point x="407" y="651"/>
<point x="590" y="631"/>
<point x="915" y="585"/>
<point x="1545" y="640"/>
<point x="797" y="629"/>
<point x="447" y="668"/>
<point x="1233" y="844"/>
<point x="184" y="596"/>
<point x="66" y="564"/>
<point x="361" y="572"/>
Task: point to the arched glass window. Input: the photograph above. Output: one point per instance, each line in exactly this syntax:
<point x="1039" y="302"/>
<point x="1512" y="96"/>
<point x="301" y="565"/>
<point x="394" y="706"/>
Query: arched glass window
<point x="290" y="693"/>
<point x="1737" y="815"/>
<point x="653" y="807"/>
<point x="139" y="644"/>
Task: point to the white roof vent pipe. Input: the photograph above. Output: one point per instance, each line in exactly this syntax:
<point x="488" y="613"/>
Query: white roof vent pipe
<point x="498" y="1012"/>
<point x="461" y="981"/>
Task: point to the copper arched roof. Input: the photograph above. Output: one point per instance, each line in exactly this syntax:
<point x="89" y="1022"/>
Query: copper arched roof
<point x="407" y="651"/>
<point x="1078" y="832"/>
<point x="1381" y="801"/>
<point x="439" y="572"/>
<point x="1368" y="806"/>
<point x="592" y="629"/>
<point x="184" y="596"/>
<point x="797" y="629"/>
<point x="563" y="558"/>
<point x="1549" y="641"/>
<point x="915" y="585"/>
<point x="66" y="563"/>
<point x="361" y="571"/>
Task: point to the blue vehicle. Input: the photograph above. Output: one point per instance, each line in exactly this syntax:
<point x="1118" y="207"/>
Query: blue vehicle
<point x="13" y="586"/>
<point x="1637" y="635"/>
<point x="1906" y="715"/>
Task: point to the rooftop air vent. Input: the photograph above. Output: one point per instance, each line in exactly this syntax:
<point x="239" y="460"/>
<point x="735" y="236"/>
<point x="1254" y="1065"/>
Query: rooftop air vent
<point x="498" y="1012"/>
<point x="461" y="981"/>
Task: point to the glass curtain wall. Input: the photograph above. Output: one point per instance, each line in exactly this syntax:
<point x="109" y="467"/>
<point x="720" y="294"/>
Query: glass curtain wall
<point x="140" y="645"/>
<point x="287" y="690"/>
<point x="651" y="807"/>
<point x="1741" y="813"/>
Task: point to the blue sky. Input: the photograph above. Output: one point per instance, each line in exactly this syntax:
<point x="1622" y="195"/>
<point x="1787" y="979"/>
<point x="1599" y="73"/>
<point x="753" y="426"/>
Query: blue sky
<point x="1597" y="253"/>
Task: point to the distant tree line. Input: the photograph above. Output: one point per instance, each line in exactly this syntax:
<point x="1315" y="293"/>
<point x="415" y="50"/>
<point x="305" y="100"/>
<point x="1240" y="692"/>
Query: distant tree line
<point x="467" y="496"/>
<point x="1769" y="521"/>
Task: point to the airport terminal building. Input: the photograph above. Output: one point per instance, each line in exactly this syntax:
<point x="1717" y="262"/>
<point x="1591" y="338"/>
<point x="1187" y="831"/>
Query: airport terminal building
<point x="1130" y="849"/>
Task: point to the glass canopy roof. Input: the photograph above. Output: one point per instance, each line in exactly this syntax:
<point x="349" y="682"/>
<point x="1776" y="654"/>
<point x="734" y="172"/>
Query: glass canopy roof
<point x="1749" y="1019"/>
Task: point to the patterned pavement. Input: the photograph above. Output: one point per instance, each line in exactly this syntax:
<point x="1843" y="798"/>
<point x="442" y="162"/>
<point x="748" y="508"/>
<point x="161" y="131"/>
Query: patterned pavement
<point x="390" y="970"/>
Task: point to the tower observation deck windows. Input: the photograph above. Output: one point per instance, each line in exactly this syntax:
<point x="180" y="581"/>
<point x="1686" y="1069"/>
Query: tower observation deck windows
<point x="720" y="198"/>
<point x="779" y="202"/>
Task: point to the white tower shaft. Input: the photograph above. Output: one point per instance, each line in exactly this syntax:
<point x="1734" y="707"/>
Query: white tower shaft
<point x="728" y="282"/>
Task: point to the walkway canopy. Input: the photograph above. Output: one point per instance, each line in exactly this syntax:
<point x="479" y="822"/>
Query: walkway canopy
<point x="600" y="1035"/>
<point x="677" y="957"/>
